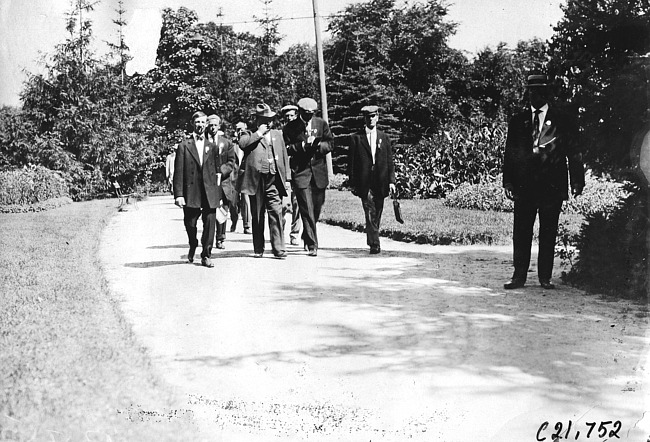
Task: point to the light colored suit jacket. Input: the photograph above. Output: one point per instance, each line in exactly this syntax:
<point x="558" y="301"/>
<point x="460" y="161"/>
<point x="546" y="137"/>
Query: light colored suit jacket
<point x="254" y="148"/>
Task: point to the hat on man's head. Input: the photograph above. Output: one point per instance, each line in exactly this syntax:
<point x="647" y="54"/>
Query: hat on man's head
<point x="263" y="110"/>
<point x="289" y="107"/>
<point x="241" y="126"/>
<point x="369" y="110"/>
<point x="537" y="80"/>
<point x="308" y="104"/>
<point x="214" y="117"/>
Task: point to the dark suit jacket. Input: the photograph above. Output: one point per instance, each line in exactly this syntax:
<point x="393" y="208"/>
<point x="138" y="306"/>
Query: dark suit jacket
<point x="360" y="167"/>
<point x="190" y="176"/>
<point x="308" y="162"/>
<point x="228" y="167"/>
<point x="542" y="175"/>
<point x="254" y="155"/>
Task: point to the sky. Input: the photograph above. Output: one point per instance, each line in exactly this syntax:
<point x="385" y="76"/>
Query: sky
<point x="29" y="29"/>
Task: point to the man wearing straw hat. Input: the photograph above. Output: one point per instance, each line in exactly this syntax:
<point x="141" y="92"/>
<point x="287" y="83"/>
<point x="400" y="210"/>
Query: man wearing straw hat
<point x="540" y="142"/>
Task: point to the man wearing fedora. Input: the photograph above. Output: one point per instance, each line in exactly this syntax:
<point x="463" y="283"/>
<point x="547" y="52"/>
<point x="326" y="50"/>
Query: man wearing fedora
<point x="228" y="168"/>
<point x="265" y="176"/>
<point x="371" y="172"/>
<point x="290" y="113"/>
<point x="196" y="187"/>
<point x="541" y="141"/>
<point x="309" y="140"/>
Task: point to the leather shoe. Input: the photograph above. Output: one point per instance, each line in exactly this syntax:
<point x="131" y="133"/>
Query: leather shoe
<point x="258" y="255"/>
<point x="312" y="252"/>
<point x="547" y="285"/>
<point x="375" y="250"/>
<point x="207" y="262"/>
<point x="514" y="284"/>
<point x="294" y="242"/>
<point x="190" y="254"/>
<point x="247" y="231"/>
<point x="220" y="245"/>
<point x="233" y="228"/>
<point x="280" y="255"/>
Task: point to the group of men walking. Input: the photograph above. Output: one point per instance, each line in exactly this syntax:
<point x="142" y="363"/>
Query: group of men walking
<point x="275" y="171"/>
<point x="268" y="166"/>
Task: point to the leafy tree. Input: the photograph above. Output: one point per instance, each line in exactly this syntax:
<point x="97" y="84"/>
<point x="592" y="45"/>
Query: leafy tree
<point x="599" y="52"/>
<point x="498" y="76"/>
<point x="86" y="121"/>
<point x="397" y="58"/>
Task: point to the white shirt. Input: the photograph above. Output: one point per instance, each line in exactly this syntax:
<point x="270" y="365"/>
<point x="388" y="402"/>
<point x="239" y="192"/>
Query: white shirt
<point x="200" y="144"/>
<point x="371" y="134"/>
<point x="542" y="116"/>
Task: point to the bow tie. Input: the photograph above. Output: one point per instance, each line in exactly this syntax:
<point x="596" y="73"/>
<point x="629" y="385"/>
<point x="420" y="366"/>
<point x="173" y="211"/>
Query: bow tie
<point x="199" y="138"/>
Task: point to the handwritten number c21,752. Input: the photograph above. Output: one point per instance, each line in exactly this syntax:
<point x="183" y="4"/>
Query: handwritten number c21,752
<point x="588" y="430"/>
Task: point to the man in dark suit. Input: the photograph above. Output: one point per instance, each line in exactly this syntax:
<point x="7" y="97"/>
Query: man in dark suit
<point x="309" y="140"/>
<point x="196" y="189"/>
<point x="265" y="176"/>
<point x="540" y="141"/>
<point x="227" y="161"/>
<point x="290" y="113"/>
<point x="371" y="172"/>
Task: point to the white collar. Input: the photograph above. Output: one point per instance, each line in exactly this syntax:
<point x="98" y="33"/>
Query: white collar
<point x="543" y="109"/>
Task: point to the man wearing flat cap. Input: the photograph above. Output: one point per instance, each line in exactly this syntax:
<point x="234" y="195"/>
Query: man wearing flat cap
<point x="371" y="172"/>
<point x="309" y="140"/>
<point x="196" y="187"/>
<point x="290" y="113"/>
<point x="228" y="168"/>
<point x="541" y="141"/>
<point x="265" y="176"/>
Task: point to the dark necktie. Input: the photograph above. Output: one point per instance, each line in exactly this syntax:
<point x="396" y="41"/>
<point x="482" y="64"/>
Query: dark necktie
<point x="536" y="125"/>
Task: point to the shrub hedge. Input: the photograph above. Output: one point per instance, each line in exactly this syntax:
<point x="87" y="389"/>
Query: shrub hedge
<point x="613" y="250"/>
<point x="31" y="185"/>
<point x="601" y="195"/>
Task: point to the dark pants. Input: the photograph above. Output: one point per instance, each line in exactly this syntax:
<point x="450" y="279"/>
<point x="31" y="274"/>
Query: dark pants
<point x="239" y="207"/>
<point x="295" y="217"/>
<point x="524" y="220"/>
<point x="310" y="202"/>
<point x="267" y="199"/>
<point x="209" y="218"/>
<point x="373" y="206"/>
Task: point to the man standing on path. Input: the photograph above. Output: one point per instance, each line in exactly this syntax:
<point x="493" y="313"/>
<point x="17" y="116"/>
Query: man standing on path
<point x="227" y="166"/>
<point x="265" y="176"/>
<point x="309" y="140"/>
<point x="371" y="173"/>
<point x="290" y="113"/>
<point x="196" y="187"/>
<point x="540" y="141"/>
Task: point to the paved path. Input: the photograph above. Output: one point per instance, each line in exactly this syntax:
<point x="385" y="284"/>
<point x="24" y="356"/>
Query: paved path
<point x="418" y="343"/>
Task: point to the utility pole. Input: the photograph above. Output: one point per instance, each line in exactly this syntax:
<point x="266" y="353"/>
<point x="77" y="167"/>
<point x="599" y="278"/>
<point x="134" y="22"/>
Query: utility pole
<point x="321" y="76"/>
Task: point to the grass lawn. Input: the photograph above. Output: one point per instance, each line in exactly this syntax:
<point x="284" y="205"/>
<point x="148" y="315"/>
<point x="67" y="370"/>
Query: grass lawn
<point x="429" y="221"/>
<point x="71" y="368"/>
